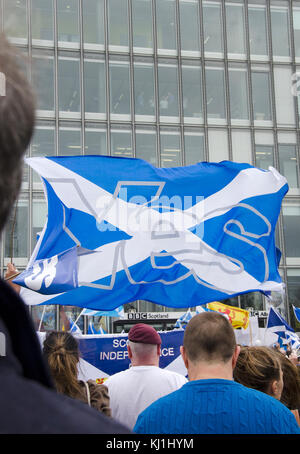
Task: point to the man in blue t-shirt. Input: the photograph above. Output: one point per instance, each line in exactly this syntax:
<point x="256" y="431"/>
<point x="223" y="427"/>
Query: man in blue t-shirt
<point x="212" y="402"/>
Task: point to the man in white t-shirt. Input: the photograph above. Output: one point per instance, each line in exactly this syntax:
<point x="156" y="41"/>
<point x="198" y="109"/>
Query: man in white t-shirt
<point x="133" y="390"/>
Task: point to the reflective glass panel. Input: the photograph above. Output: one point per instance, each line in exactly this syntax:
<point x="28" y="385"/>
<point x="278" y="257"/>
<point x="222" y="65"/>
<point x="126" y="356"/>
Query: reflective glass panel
<point x="118" y="23"/>
<point x="215" y="93"/>
<point x="15" y="18"/>
<point x="284" y="99"/>
<point x="193" y="148"/>
<point x="235" y="27"/>
<point x="241" y="145"/>
<point x="94" y="86"/>
<point x="238" y="89"/>
<point x="296" y="24"/>
<point x="95" y="142"/>
<point x="119" y="88"/>
<point x="68" y="21"/>
<point x="192" y="92"/>
<point x="142" y="23"/>
<point x="212" y="23"/>
<point x="44" y="317"/>
<point x="264" y="156"/>
<point x="288" y="164"/>
<point x="16" y="231"/>
<point x="291" y="222"/>
<point x="43" y="80"/>
<point x="166" y="24"/>
<point x="42" y="20"/>
<point x="261" y="96"/>
<point x="93" y="21"/>
<point x="39" y="217"/>
<point x="280" y="32"/>
<point x="189" y="26"/>
<point x="170" y="149"/>
<point x="69" y="142"/>
<point x="42" y="144"/>
<point x="258" y="30"/>
<point x="293" y="285"/>
<point x="145" y="145"/>
<point x="144" y="88"/>
<point x="218" y="145"/>
<point x="168" y="90"/>
<point x="121" y="144"/>
<point x="68" y="85"/>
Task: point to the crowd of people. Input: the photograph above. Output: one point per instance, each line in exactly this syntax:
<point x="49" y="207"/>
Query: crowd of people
<point x="229" y="389"/>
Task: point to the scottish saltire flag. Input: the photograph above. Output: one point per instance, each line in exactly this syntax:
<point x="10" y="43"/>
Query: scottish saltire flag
<point x="297" y="312"/>
<point x="183" y="320"/>
<point x="293" y="340"/>
<point x="178" y="237"/>
<point x="278" y="325"/>
<point x="93" y="330"/>
<point x="74" y="328"/>
<point x="118" y="312"/>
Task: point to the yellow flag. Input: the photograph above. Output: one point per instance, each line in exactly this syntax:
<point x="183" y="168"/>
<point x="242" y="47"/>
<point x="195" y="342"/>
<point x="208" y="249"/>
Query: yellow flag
<point x="239" y="318"/>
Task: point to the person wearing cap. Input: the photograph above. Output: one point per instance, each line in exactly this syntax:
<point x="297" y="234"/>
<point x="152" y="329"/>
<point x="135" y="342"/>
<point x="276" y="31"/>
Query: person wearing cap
<point x="134" y="389"/>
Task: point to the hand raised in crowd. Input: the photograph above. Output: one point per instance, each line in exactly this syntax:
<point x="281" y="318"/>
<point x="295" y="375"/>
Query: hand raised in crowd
<point x="12" y="272"/>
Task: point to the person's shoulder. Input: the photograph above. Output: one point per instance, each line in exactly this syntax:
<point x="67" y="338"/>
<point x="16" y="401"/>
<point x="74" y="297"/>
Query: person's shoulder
<point x="116" y="377"/>
<point x="174" y="375"/>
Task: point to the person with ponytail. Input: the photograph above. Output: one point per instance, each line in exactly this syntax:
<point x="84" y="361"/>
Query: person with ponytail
<point x="61" y="351"/>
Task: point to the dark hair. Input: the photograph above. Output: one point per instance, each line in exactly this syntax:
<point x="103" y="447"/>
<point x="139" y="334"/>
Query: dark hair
<point x="290" y="395"/>
<point x="257" y="367"/>
<point x="17" y="117"/>
<point x="210" y="337"/>
<point x="61" y="351"/>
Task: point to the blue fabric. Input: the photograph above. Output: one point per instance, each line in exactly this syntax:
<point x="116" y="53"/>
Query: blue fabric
<point x="216" y="407"/>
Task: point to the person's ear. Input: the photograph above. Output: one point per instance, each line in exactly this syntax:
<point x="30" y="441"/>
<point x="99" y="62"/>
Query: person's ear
<point x="275" y="389"/>
<point x="129" y="351"/>
<point x="235" y="356"/>
<point x="184" y="356"/>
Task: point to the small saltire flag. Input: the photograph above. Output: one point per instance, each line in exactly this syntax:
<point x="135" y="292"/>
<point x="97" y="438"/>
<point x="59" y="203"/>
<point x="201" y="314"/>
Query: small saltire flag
<point x="293" y="339"/>
<point x="183" y="319"/>
<point x="297" y="312"/>
<point x="278" y="325"/>
<point x="118" y="312"/>
<point x="173" y="236"/>
<point x="74" y="328"/>
<point x="239" y="318"/>
<point x="93" y="330"/>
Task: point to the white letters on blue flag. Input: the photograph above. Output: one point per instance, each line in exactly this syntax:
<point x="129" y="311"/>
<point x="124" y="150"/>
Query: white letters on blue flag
<point x="179" y="237"/>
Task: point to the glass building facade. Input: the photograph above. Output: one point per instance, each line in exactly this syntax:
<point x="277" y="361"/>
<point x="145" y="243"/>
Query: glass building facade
<point x="173" y="82"/>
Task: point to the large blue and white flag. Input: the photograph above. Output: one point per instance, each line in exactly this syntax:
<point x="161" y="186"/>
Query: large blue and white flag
<point x="178" y="237"/>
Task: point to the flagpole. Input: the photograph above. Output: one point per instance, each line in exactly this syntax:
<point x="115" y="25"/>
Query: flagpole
<point x="42" y="317"/>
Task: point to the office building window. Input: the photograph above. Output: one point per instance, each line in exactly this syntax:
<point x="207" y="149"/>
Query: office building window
<point x="296" y="26"/>
<point x="280" y="31"/>
<point x="215" y="93"/>
<point x="166" y="26"/>
<point x="120" y="88"/>
<point x="258" y="31"/>
<point x="69" y="141"/>
<point x="142" y="24"/>
<point x="69" y="85"/>
<point x="235" y="28"/>
<point x="43" y="81"/>
<point x="145" y="144"/>
<point x="121" y="143"/>
<point x="194" y="147"/>
<point x="192" y="92"/>
<point x="241" y="145"/>
<point x="218" y="145"/>
<point x="170" y="147"/>
<point x="118" y="33"/>
<point x="288" y="163"/>
<point x="168" y="90"/>
<point x="144" y="95"/>
<point x="284" y="99"/>
<point x="95" y="142"/>
<point x="93" y="22"/>
<point x="264" y="156"/>
<point x="94" y="87"/>
<point x="293" y="281"/>
<point x="42" y="144"/>
<point x="212" y="24"/>
<point x="189" y="26"/>
<point x="261" y="94"/>
<point x="238" y="90"/>
<point x="15" y="19"/>
<point x="42" y="20"/>
<point x="16" y="231"/>
<point x="291" y="222"/>
<point x="39" y="217"/>
<point x="68" y="21"/>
